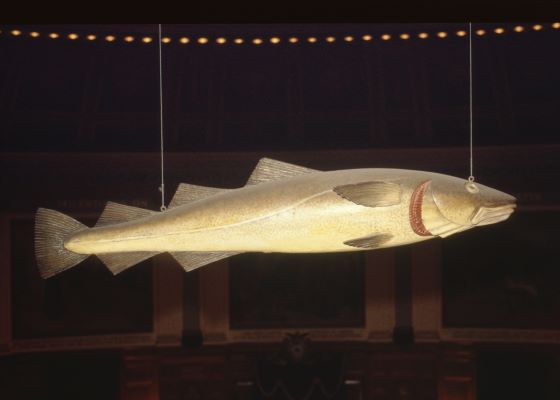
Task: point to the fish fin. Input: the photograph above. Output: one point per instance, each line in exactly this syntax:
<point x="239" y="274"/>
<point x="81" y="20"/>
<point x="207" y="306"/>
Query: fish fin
<point x="268" y="169"/>
<point x="187" y="193"/>
<point x="118" y="262"/>
<point x="371" y="194"/>
<point x="370" y="242"/>
<point x="190" y="260"/>
<point x="115" y="213"/>
<point x="51" y="229"/>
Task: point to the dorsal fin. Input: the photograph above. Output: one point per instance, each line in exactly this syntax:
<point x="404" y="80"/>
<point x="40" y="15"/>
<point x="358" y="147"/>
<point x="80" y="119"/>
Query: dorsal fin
<point x="186" y="193"/>
<point x="115" y="213"/>
<point x="268" y="169"/>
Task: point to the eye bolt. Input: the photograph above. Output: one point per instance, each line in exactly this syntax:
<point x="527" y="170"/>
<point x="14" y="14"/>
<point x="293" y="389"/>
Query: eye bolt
<point x="471" y="187"/>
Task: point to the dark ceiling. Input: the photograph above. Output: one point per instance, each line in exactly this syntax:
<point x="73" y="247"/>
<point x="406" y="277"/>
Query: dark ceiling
<point x="99" y="95"/>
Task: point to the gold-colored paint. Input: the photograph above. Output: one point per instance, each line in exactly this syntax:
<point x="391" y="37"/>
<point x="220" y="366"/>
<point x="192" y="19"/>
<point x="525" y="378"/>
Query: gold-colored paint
<point x="302" y="214"/>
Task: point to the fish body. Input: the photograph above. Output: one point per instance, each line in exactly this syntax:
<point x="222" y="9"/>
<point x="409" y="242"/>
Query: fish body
<point x="283" y="208"/>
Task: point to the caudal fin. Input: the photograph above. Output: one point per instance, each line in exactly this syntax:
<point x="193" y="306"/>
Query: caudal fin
<point x="51" y="229"/>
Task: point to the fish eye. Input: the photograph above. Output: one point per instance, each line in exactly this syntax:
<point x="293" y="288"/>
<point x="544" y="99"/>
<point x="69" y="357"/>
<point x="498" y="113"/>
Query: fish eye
<point x="471" y="187"/>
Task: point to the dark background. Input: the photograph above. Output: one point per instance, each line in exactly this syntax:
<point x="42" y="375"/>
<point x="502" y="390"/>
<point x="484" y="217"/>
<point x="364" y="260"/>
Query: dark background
<point x="66" y="104"/>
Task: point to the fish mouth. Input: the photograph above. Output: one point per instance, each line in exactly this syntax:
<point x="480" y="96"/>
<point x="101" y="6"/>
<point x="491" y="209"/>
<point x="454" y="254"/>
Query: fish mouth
<point x="492" y="215"/>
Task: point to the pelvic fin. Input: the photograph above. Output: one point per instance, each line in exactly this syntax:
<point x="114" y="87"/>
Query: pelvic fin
<point x="370" y="242"/>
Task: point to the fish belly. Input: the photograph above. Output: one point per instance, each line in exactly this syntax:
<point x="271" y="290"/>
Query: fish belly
<point x="321" y="224"/>
<point x="302" y="215"/>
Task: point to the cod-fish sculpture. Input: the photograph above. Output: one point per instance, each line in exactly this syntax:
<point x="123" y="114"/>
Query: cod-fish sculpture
<point x="283" y="208"/>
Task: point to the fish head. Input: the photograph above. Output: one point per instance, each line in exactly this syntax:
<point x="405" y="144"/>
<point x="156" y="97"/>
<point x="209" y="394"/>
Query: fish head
<point x="470" y="204"/>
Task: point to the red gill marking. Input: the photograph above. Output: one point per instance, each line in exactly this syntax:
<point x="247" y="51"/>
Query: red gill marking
<point x="415" y="210"/>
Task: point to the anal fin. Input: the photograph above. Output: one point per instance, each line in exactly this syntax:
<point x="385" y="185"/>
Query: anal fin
<point x="191" y="260"/>
<point x="370" y="242"/>
<point x="118" y="262"/>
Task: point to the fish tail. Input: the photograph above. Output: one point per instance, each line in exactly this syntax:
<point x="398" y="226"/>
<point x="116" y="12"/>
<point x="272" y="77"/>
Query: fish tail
<point x="51" y="229"/>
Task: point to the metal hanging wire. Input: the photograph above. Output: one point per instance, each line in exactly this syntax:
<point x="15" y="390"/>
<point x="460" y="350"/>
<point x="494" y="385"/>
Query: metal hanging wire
<point x="471" y="175"/>
<point x="162" y="187"/>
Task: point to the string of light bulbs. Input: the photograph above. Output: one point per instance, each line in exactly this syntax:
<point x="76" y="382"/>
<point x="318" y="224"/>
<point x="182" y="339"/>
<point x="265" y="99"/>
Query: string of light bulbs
<point x="274" y="39"/>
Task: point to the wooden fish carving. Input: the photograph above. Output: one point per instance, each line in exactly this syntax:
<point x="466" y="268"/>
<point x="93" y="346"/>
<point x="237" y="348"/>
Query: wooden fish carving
<point x="283" y="208"/>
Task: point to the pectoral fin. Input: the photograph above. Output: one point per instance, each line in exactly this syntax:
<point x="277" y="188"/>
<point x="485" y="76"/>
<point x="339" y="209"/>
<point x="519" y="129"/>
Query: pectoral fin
<point x="370" y="242"/>
<point x="190" y="260"/>
<point x="371" y="194"/>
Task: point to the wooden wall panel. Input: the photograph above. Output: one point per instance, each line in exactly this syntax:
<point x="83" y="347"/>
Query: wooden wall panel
<point x="457" y="375"/>
<point x="214" y="300"/>
<point x="168" y="301"/>
<point x="5" y="285"/>
<point x="139" y="377"/>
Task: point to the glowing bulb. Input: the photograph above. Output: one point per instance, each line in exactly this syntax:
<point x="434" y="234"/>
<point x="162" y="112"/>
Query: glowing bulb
<point x="110" y="38"/>
<point x="405" y="36"/>
<point x="312" y="39"/>
<point x="166" y="40"/>
<point x="480" y="32"/>
<point x="274" y="40"/>
<point x="442" y="34"/>
<point x="423" y="35"/>
<point x="348" y="38"/>
<point x="518" y="28"/>
<point x="34" y="34"/>
<point x="257" y="41"/>
<point x="16" y="32"/>
<point x="367" y="38"/>
<point x="461" y="33"/>
<point x="220" y="40"/>
<point x="73" y="36"/>
<point x="238" y="41"/>
<point x="147" y="39"/>
<point x="293" y="40"/>
<point x="129" y="39"/>
<point x="330" y="39"/>
<point x="184" y="40"/>
<point x="54" y="35"/>
<point x="202" y="40"/>
<point x="385" y="37"/>
<point x="499" y="31"/>
<point x="556" y="25"/>
<point x="91" y="37"/>
<point x="537" y="27"/>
